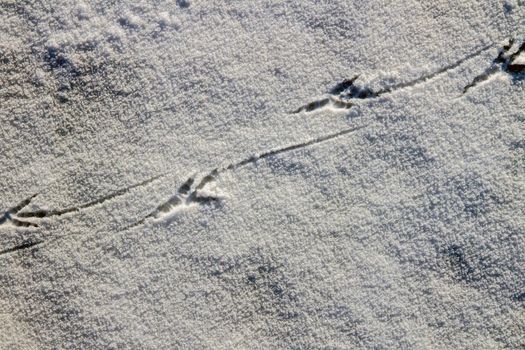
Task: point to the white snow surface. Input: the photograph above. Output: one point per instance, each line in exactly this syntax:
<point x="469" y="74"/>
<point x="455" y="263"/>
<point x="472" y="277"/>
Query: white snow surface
<point x="184" y="175"/>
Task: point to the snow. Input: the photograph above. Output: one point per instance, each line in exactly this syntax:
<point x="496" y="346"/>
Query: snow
<point x="204" y="175"/>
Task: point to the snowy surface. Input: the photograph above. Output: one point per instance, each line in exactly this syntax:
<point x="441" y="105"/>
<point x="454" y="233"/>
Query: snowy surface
<point x="199" y="174"/>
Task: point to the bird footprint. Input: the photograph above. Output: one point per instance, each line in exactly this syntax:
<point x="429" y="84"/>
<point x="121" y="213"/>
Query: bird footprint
<point x="10" y="216"/>
<point x="187" y="195"/>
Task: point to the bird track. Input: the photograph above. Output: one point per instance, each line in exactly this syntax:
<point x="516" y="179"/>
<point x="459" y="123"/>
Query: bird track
<point x="190" y="193"/>
<point x="186" y="196"/>
<point x="344" y="93"/>
<point x="50" y="213"/>
<point x="11" y="216"/>
<point x="504" y="62"/>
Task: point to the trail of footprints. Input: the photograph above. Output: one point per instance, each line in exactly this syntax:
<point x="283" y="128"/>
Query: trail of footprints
<point x="192" y="192"/>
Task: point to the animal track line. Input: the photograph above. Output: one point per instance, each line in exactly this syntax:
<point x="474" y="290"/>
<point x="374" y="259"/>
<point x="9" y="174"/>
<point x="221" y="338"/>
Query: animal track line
<point x="50" y="213"/>
<point x="11" y="214"/>
<point x="342" y="94"/>
<point x="504" y="62"/>
<point x="339" y="97"/>
<point x="188" y="193"/>
<point x="23" y="246"/>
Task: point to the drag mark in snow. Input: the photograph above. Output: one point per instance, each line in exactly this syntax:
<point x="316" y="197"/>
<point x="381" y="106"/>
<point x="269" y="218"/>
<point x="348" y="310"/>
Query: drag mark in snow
<point x="23" y="246"/>
<point x="276" y="151"/>
<point x="437" y="73"/>
<point x="50" y="213"/>
<point x="341" y="95"/>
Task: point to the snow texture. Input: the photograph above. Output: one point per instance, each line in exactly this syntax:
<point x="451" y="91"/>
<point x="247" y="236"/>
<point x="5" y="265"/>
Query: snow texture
<point x="191" y="174"/>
